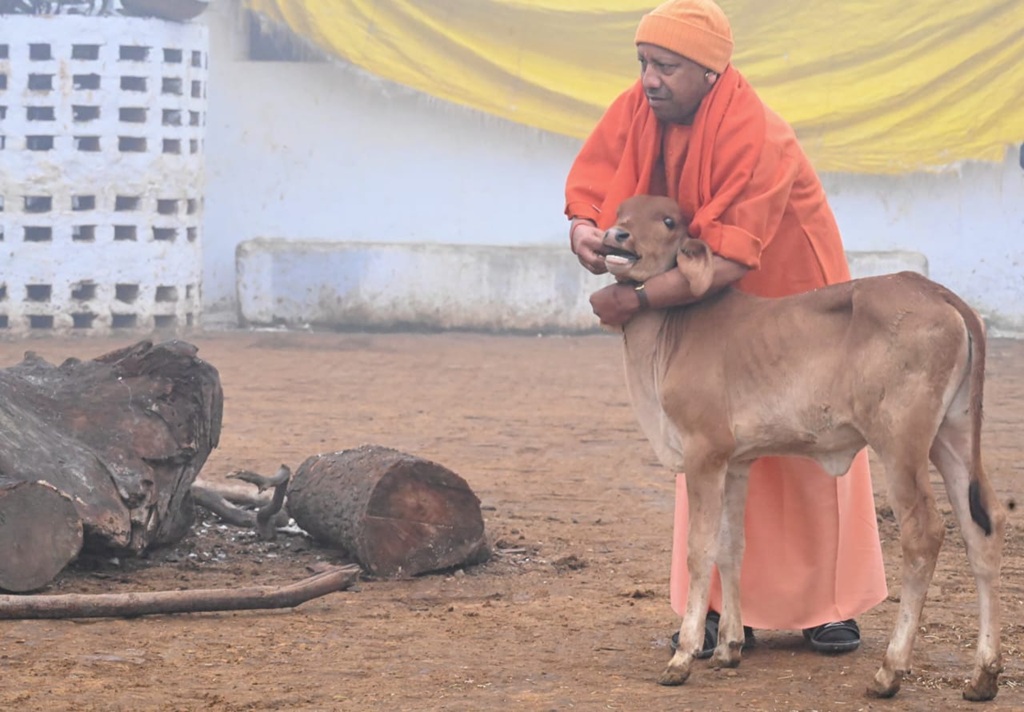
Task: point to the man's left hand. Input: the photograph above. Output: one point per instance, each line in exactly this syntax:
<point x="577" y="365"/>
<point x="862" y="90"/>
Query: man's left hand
<point x="615" y="304"/>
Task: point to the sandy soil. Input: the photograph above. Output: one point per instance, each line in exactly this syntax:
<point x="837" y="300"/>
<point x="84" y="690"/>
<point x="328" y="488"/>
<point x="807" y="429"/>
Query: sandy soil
<point x="571" y="613"/>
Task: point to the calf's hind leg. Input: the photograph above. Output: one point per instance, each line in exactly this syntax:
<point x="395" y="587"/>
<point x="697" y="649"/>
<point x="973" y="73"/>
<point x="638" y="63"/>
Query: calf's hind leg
<point x="951" y="454"/>
<point x="921" y="534"/>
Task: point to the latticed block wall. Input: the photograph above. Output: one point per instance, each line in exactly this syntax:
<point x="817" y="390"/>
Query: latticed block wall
<point x="101" y="173"/>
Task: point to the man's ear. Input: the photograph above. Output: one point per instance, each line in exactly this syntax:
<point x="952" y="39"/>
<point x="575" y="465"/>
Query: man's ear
<point x="695" y="262"/>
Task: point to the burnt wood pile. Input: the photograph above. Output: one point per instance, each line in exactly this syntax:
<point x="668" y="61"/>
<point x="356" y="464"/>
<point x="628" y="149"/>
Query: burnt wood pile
<point x="100" y="455"/>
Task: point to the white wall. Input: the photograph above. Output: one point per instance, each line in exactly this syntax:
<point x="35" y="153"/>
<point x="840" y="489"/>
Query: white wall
<point x="969" y="223"/>
<point x="315" y="151"/>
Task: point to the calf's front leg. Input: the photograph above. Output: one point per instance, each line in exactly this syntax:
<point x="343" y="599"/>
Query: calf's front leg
<point x="731" y="543"/>
<point x="704" y="492"/>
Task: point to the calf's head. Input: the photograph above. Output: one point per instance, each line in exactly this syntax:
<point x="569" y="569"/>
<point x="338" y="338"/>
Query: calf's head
<point x="649" y="237"/>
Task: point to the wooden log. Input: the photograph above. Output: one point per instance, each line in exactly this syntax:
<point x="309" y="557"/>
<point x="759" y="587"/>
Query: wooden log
<point x="270" y="515"/>
<point x="239" y="493"/>
<point x="266" y="530"/>
<point x="208" y="497"/>
<point x="40" y="534"/>
<point x="395" y="513"/>
<point x="130" y="605"/>
<point x="123" y="435"/>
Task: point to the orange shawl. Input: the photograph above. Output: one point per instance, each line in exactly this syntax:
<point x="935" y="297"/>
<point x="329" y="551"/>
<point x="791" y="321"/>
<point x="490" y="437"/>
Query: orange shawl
<point x="745" y="181"/>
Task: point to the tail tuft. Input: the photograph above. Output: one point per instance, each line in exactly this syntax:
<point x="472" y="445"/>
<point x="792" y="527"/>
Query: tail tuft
<point x="978" y="512"/>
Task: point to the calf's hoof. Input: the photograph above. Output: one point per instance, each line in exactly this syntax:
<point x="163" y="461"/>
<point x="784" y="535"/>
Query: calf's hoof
<point x="983" y="687"/>
<point x="886" y="683"/>
<point x="727" y="656"/>
<point x="676" y="673"/>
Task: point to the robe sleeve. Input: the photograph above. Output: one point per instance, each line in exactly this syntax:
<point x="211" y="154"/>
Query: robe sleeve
<point x="601" y="157"/>
<point x="744" y="227"/>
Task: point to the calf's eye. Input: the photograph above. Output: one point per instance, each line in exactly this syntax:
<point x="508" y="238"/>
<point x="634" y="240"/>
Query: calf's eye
<point x="670" y="223"/>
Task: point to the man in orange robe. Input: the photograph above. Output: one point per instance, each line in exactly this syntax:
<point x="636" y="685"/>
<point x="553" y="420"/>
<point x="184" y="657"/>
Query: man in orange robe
<point x="693" y="129"/>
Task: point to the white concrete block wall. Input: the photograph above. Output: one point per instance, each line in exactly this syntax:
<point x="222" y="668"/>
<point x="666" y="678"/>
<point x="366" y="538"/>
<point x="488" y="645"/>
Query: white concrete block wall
<point x="102" y="123"/>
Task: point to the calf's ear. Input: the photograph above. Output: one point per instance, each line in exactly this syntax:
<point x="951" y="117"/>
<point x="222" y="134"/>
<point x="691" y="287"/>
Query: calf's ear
<point x="694" y="261"/>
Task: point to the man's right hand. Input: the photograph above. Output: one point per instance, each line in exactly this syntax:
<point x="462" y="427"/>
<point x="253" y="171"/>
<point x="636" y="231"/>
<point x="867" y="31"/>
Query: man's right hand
<point x="587" y="243"/>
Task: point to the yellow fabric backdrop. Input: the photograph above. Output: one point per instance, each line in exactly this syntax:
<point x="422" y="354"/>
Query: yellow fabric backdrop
<point x="871" y="86"/>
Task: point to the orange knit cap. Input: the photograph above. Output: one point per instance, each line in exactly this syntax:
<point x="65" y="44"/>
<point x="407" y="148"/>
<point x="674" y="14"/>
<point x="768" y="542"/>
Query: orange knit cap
<point x="696" y="29"/>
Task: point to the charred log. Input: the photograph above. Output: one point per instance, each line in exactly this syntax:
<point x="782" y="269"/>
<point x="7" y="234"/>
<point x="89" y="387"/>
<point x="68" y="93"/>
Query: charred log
<point x="40" y="534"/>
<point x="265" y="518"/>
<point x="237" y="507"/>
<point x="123" y="436"/>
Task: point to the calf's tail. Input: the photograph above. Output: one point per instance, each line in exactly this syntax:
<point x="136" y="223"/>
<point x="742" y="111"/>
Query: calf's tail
<point x="976" y="344"/>
<point x="979" y="512"/>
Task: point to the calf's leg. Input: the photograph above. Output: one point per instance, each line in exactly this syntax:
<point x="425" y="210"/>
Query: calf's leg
<point x="921" y="534"/>
<point x="731" y="542"/>
<point x="951" y="454"/>
<point x="704" y="491"/>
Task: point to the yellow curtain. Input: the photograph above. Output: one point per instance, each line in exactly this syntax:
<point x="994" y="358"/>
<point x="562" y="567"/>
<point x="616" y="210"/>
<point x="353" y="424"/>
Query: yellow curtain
<point x="871" y="86"/>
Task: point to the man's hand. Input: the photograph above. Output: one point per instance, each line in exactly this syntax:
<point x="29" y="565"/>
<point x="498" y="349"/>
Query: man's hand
<point x="618" y="303"/>
<point x="615" y="304"/>
<point x="586" y="241"/>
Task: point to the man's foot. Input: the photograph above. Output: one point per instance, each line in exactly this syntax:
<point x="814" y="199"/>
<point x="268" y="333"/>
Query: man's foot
<point x="836" y="637"/>
<point x="711" y="636"/>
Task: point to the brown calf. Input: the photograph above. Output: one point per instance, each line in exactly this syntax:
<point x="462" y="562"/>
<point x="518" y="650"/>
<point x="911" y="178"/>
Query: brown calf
<point x="895" y="362"/>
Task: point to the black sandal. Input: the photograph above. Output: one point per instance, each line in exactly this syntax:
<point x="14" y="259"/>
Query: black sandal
<point x="835" y="637"/>
<point x="711" y="636"/>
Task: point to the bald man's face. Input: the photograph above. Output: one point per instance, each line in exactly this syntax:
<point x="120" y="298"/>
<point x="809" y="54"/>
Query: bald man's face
<point x="674" y="85"/>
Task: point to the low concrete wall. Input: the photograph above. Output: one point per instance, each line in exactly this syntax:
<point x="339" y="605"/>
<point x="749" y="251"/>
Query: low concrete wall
<point x="376" y="286"/>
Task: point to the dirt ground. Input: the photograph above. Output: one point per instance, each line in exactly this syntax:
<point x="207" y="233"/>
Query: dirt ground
<point x="572" y="611"/>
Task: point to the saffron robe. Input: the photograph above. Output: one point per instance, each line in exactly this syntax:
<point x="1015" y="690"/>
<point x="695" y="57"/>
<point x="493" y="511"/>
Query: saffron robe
<point x="812" y="549"/>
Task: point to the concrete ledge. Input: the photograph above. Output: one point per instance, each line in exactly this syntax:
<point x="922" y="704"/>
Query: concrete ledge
<point x="420" y="286"/>
<point x="384" y="286"/>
